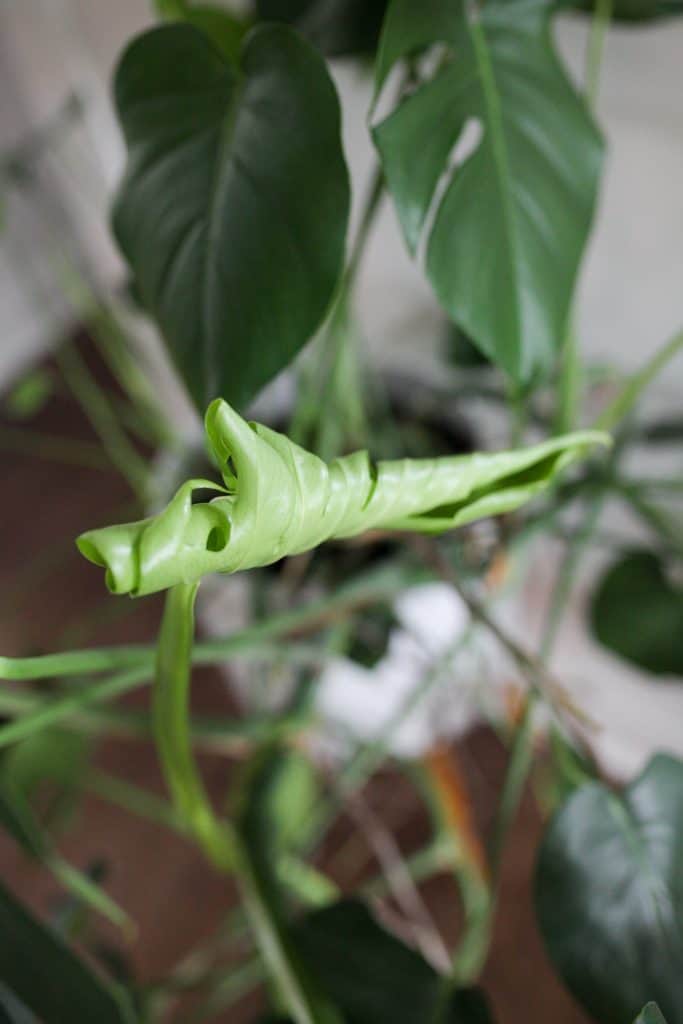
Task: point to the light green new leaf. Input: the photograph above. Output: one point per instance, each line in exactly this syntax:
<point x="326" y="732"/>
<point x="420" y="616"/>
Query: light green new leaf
<point x="280" y="500"/>
<point x="170" y="713"/>
<point x="232" y="212"/>
<point x="509" y="229"/>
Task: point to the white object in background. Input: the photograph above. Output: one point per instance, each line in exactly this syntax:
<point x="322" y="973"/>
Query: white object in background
<point x="423" y="657"/>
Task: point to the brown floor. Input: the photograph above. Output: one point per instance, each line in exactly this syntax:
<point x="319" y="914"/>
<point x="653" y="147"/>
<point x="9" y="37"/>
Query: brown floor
<point x="51" y="598"/>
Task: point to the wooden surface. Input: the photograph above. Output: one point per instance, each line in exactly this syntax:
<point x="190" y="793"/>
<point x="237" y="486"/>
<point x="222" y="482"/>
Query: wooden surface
<point x="51" y="598"/>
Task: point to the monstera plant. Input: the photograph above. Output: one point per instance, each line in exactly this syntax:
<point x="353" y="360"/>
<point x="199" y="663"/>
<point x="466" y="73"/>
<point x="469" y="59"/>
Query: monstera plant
<point x="232" y="218"/>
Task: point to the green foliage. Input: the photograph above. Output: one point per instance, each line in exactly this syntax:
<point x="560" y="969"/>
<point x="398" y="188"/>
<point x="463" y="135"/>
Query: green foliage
<point x="48" y="978"/>
<point x="29" y="394"/>
<point x="58" y="758"/>
<point x="509" y="230"/>
<point x="609" y="894"/>
<point x="281" y="500"/>
<point x="637" y="10"/>
<point x="232" y="215"/>
<point x="262" y="834"/>
<point x="223" y="28"/>
<point x="337" y="27"/>
<point x="374" y="978"/>
<point x="55" y="759"/>
<point x="637" y="612"/>
<point x="232" y="212"/>
<point x="170" y="711"/>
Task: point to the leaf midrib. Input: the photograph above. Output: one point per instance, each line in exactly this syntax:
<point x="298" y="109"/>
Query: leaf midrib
<point x="223" y="166"/>
<point x="632" y="829"/>
<point x="494" y="121"/>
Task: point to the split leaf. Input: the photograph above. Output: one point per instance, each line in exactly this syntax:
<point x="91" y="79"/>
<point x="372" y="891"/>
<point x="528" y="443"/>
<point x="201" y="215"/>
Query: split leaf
<point x="509" y="228"/>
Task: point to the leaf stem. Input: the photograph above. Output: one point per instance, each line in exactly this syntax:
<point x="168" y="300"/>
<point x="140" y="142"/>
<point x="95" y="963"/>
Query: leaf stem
<point x="634" y="387"/>
<point x="596" y="48"/>
<point x="99" y="412"/>
<point x="366" y="590"/>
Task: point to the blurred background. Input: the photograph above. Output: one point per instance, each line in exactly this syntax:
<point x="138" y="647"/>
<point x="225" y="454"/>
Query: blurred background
<point x="61" y="156"/>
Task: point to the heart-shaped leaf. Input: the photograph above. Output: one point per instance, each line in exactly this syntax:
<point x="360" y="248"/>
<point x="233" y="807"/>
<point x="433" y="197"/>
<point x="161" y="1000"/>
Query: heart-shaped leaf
<point x="609" y="894"/>
<point x="233" y="209"/>
<point x="638" y="614"/>
<point x="509" y="229"/>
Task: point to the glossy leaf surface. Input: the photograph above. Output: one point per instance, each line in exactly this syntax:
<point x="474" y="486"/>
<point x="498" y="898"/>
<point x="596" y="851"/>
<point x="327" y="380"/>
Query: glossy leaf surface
<point x="508" y="231"/>
<point x="46" y="976"/>
<point x="638" y="613"/>
<point x="609" y="894"/>
<point x="232" y="212"/>
<point x="280" y="500"/>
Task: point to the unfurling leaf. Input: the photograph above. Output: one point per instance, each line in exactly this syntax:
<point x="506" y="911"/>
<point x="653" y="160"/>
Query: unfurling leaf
<point x="507" y="232"/>
<point x="280" y="500"/>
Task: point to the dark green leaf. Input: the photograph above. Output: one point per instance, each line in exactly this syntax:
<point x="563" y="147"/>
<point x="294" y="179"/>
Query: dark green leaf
<point x="42" y="972"/>
<point x="638" y="614"/>
<point x="609" y="894"/>
<point x="233" y="210"/>
<point x="668" y="430"/>
<point x="637" y="10"/>
<point x="374" y="978"/>
<point x="337" y="27"/>
<point x="511" y="225"/>
<point x="11" y="1010"/>
<point x="17" y="819"/>
<point x="651" y="1015"/>
<point x="223" y="28"/>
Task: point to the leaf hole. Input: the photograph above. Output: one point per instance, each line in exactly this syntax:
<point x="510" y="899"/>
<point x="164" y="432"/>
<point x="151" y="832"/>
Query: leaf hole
<point x="464" y="147"/>
<point x="217" y="538"/>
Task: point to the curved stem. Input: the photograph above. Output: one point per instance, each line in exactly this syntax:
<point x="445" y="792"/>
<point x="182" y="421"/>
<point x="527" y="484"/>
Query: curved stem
<point x="170" y="719"/>
<point x="224" y="844"/>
